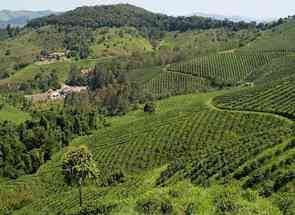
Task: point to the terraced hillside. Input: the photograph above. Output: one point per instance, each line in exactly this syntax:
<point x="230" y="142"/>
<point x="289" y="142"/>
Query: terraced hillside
<point x="194" y="132"/>
<point x="231" y="68"/>
<point x="277" y="98"/>
<point x="270" y="171"/>
<point x="279" y="69"/>
<point x="213" y="71"/>
<point x="138" y="195"/>
<point x="197" y="141"/>
<point x="273" y="92"/>
<point x="175" y="83"/>
<point x="217" y="71"/>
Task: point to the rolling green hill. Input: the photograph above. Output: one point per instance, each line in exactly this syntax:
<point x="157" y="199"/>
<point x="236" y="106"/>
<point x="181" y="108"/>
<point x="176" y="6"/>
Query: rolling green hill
<point x="19" y="55"/>
<point x="198" y="142"/>
<point x="229" y="67"/>
<point x="208" y="72"/>
<point x="203" y="42"/>
<point x="279" y="69"/>
<point x="119" y="42"/>
<point x="277" y="38"/>
<point x="183" y="115"/>
<point x="120" y="15"/>
<point x="23" y="50"/>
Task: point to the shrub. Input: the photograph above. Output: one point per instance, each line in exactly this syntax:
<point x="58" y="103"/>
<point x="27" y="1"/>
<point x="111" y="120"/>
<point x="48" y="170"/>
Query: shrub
<point x="103" y="209"/>
<point x="116" y="177"/>
<point x="154" y="206"/>
<point x="7" y="52"/>
<point x="285" y="202"/>
<point x="226" y="202"/>
<point x="150" y="107"/>
<point x="190" y="209"/>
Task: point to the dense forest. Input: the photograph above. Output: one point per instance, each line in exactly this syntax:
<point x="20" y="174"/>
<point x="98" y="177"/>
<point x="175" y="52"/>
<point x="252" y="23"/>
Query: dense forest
<point x="128" y="15"/>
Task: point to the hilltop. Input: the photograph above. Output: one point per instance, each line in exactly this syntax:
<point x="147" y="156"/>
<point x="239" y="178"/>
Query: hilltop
<point x="128" y="15"/>
<point x="115" y="31"/>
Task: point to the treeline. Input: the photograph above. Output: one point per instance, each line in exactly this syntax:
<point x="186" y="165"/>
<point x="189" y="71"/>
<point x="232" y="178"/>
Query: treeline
<point x="9" y="32"/>
<point x="77" y="41"/>
<point x="41" y="81"/>
<point x="110" y="91"/>
<point x="128" y="15"/>
<point x="16" y="100"/>
<point x="25" y="147"/>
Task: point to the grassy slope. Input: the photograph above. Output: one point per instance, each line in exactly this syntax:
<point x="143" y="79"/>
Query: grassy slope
<point x="206" y="41"/>
<point x="27" y="45"/>
<point x="62" y="68"/>
<point x="280" y="37"/>
<point x="9" y="113"/>
<point x="279" y="69"/>
<point x="144" y="75"/>
<point x="119" y="42"/>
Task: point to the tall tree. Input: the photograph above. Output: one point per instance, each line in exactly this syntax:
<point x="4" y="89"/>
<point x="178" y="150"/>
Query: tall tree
<point x="78" y="165"/>
<point x="100" y="78"/>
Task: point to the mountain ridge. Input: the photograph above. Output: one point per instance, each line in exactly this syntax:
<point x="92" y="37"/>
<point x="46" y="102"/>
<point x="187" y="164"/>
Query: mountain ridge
<point x="235" y="18"/>
<point x="20" y="18"/>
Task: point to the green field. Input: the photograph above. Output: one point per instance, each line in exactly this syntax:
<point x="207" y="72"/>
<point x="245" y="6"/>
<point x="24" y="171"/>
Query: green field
<point x="119" y="42"/>
<point x="9" y="113"/>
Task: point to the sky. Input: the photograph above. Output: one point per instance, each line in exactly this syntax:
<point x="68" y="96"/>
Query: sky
<point x="250" y="8"/>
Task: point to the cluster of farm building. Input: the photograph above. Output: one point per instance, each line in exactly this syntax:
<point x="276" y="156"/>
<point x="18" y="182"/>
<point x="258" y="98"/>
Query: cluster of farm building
<point x="58" y="94"/>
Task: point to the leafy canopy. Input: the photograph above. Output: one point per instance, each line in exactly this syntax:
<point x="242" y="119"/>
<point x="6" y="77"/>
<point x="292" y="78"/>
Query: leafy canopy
<point x="78" y="164"/>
